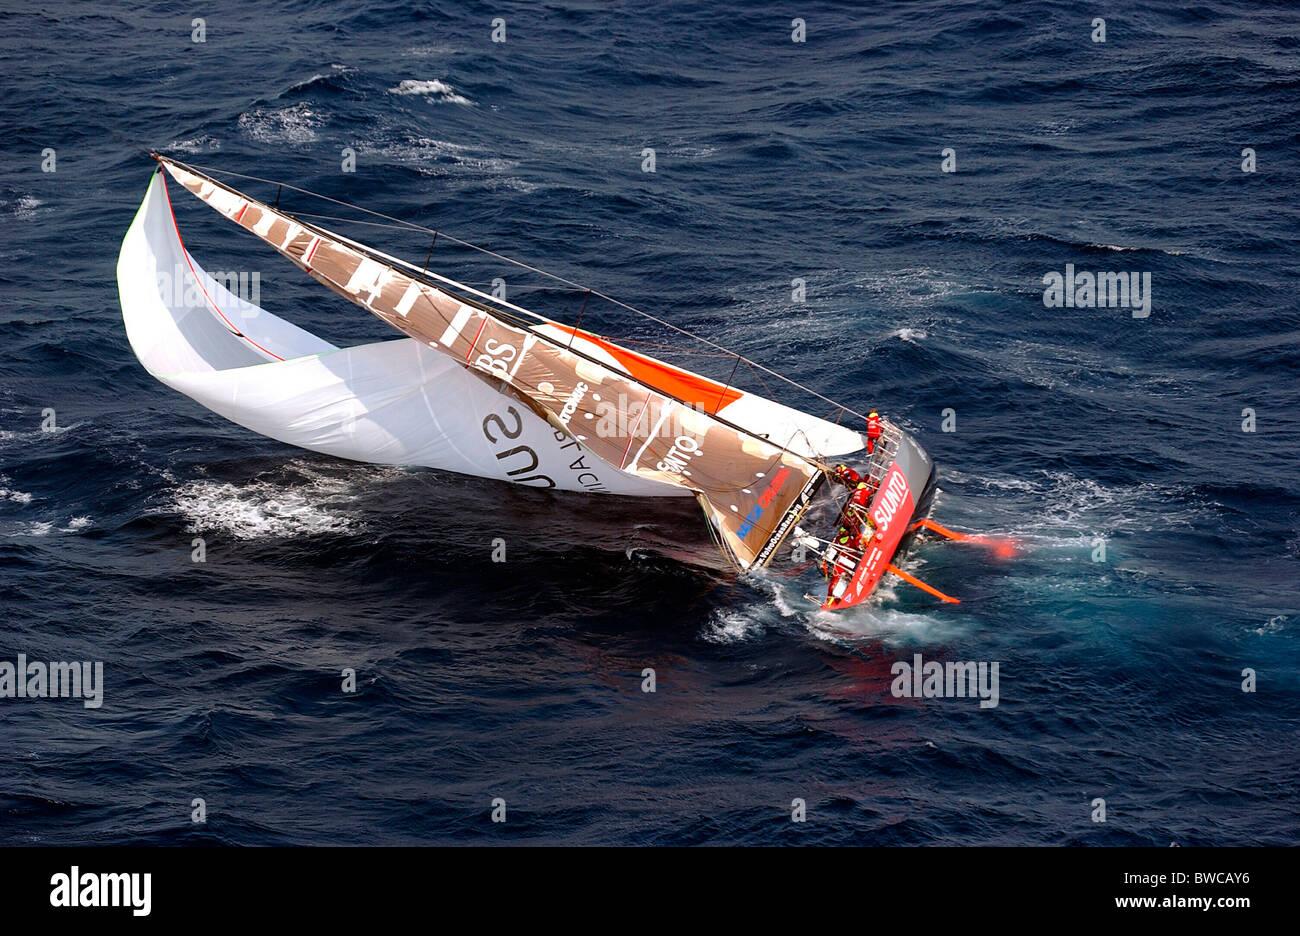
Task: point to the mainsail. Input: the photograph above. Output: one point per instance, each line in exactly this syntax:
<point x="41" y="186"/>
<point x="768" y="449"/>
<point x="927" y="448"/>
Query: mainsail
<point x="643" y="417"/>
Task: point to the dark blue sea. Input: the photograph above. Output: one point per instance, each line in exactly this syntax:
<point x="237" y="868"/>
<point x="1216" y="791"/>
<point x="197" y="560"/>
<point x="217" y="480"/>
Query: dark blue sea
<point x="1076" y="429"/>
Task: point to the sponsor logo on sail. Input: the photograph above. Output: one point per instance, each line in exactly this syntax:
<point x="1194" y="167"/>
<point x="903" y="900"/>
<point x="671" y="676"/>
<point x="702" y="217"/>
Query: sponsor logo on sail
<point x="764" y="501"/>
<point x="679" y="456"/>
<point x="572" y="403"/>
<point x="792" y="513"/>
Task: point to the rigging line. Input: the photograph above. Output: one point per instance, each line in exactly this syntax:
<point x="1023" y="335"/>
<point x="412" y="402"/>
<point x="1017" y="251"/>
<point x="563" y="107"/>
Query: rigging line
<point x="761" y="381"/>
<point x="728" y="386"/>
<point x="665" y="346"/>
<point x="326" y="217"/>
<point x="583" y="311"/>
<point x="519" y="263"/>
<point x="429" y="256"/>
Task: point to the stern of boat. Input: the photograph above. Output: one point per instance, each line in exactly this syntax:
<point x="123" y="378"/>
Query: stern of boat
<point x="902" y="476"/>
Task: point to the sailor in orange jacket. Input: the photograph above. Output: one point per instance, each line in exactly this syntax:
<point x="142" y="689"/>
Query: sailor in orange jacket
<point x="873" y="431"/>
<point x="851" y="520"/>
<point x="856" y="526"/>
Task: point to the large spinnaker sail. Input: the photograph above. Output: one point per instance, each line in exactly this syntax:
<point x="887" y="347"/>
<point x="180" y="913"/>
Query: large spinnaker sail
<point x="751" y="489"/>
<point x="391" y="402"/>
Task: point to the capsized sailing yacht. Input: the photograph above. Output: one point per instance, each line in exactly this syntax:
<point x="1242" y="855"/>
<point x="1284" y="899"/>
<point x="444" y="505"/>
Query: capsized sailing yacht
<point x="484" y="387"/>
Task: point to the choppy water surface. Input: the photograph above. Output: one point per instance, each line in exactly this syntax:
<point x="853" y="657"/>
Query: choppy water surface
<point x="775" y="160"/>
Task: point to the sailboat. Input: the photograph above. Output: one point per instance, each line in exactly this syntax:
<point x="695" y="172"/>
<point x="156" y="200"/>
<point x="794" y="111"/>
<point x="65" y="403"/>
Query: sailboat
<point x="488" y="388"/>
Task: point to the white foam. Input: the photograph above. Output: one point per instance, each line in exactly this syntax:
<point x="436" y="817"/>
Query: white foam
<point x="877" y="619"/>
<point x="912" y="287"/>
<point x="335" y="69"/>
<point x="1054" y="127"/>
<point x="27" y="205"/>
<point x="255" y="510"/>
<point x="690" y="152"/>
<point x="1274" y="625"/>
<point x="24" y="207"/>
<point x="872" y="621"/>
<point x="309" y="503"/>
<point x="731" y="627"/>
<point x="443" y="92"/>
<point x="1057" y="503"/>
<point x="446" y="160"/>
<point x="428" y="51"/>
<point x="296" y="124"/>
<point x="32" y="426"/>
<point x="9" y="494"/>
<point x="511" y="183"/>
<point x="198" y="144"/>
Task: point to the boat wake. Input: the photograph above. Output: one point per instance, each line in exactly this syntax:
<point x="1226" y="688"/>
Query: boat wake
<point x="779" y="604"/>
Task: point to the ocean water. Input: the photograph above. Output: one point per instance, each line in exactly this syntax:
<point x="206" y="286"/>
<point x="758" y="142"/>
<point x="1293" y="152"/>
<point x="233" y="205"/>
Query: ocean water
<point x="1075" y="428"/>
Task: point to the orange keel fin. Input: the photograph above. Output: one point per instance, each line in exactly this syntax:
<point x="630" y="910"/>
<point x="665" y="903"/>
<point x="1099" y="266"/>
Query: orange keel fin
<point x="1001" y="546"/>
<point x="913" y="580"/>
<point x="943" y="530"/>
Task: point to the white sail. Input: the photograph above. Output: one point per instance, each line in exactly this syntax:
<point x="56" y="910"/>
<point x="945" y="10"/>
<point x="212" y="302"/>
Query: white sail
<point x="390" y="402"/>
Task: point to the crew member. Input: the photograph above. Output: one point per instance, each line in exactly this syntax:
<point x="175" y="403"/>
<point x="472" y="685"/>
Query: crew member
<point x="856" y="530"/>
<point x="851" y="532"/>
<point x="847" y="476"/>
<point x="873" y="431"/>
<point x="846" y="538"/>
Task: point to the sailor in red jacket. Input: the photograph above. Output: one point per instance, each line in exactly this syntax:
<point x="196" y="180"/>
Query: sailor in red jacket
<point x="847" y="476"/>
<point x="873" y="431"/>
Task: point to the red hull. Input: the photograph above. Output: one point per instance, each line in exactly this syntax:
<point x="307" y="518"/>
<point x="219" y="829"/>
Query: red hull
<point x="891" y="510"/>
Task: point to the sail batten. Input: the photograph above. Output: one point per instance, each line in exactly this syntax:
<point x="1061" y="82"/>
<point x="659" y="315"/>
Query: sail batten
<point x="637" y="415"/>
